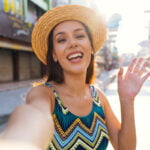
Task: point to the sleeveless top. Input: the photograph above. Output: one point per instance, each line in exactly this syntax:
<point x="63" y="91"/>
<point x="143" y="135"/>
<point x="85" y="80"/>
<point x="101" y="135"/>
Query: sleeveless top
<point x="79" y="133"/>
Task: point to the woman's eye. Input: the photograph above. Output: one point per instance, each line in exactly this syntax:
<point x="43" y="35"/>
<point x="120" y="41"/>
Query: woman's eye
<point x="80" y="36"/>
<point x="61" y="40"/>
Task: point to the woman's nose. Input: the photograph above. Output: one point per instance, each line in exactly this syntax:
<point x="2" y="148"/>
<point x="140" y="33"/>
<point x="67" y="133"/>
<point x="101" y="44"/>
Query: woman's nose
<point x="73" y="43"/>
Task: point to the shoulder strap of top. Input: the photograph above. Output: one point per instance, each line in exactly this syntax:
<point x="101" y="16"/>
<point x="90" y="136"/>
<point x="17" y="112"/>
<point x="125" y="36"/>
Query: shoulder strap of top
<point x="95" y="95"/>
<point x="54" y="90"/>
<point x="48" y="84"/>
<point x="57" y="97"/>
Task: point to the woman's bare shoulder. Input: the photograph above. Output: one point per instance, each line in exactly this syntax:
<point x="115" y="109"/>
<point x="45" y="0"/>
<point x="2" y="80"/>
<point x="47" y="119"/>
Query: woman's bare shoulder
<point x="38" y="92"/>
<point x="41" y="96"/>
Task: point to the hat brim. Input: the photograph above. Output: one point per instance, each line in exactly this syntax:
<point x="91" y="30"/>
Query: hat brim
<point x="54" y="16"/>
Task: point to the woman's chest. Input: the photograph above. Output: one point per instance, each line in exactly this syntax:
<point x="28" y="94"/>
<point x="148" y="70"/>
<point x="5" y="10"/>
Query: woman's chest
<point x="78" y="107"/>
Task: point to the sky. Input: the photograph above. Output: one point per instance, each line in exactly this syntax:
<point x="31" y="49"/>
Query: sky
<point x="134" y="23"/>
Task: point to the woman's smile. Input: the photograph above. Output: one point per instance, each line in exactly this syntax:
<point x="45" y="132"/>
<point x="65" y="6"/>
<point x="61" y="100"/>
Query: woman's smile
<point x="75" y="56"/>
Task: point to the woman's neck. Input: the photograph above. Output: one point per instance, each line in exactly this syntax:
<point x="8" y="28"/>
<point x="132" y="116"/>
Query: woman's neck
<point x="75" y="85"/>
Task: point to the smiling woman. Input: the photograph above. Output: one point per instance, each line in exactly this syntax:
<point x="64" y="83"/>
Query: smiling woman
<point x="71" y="35"/>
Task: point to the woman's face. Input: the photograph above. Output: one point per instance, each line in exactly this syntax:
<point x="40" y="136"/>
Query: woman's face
<point x="72" y="47"/>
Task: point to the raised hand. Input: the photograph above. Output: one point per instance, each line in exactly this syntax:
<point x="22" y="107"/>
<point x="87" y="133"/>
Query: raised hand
<point x="131" y="82"/>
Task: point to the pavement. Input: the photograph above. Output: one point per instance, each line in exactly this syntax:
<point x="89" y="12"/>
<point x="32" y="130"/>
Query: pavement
<point x="16" y="84"/>
<point x="12" y="94"/>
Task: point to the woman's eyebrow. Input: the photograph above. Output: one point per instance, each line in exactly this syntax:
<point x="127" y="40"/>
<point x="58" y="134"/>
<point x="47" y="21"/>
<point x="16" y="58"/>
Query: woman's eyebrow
<point x="79" y="29"/>
<point x="59" y="33"/>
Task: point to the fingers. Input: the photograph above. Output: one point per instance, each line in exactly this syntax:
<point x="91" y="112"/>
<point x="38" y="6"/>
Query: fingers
<point x="143" y="67"/>
<point x="120" y="74"/>
<point x="137" y="66"/>
<point x="131" y="66"/>
<point x="145" y="77"/>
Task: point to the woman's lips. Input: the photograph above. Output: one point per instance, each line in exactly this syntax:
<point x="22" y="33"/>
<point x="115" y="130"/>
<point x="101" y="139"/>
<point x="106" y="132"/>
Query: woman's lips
<point x="75" y="56"/>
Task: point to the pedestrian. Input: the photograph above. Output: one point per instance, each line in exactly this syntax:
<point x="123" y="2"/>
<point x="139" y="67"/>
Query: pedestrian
<point x="67" y="111"/>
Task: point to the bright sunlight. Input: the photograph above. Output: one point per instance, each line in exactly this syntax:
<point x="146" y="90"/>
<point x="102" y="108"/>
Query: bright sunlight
<point x="134" y="24"/>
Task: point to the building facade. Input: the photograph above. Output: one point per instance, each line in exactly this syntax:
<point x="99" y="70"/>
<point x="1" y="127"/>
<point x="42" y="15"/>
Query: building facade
<point x="56" y="3"/>
<point x="17" y="18"/>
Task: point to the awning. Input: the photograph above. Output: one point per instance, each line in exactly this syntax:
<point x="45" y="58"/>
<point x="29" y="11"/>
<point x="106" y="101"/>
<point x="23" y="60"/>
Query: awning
<point x="41" y="3"/>
<point x="14" y="45"/>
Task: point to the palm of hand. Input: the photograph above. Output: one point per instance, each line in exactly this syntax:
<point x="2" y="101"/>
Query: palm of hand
<point x="131" y="83"/>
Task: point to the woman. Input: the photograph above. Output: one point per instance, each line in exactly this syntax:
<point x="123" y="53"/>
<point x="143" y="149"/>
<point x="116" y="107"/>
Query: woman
<point x="67" y="111"/>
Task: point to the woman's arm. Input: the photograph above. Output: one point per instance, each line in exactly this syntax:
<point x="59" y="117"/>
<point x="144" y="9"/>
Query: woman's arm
<point x="16" y="145"/>
<point x="31" y="123"/>
<point x="129" y="85"/>
<point x="123" y="136"/>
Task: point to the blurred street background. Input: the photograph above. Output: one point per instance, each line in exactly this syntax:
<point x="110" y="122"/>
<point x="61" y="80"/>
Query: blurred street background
<point x="128" y="24"/>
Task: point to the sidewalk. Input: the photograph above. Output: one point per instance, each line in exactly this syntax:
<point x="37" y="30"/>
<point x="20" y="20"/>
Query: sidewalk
<point x="12" y="95"/>
<point x="16" y="84"/>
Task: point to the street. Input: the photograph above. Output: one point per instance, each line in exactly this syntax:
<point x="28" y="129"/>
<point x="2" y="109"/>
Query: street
<point x="142" y="111"/>
<point x="9" y="100"/>
<point x="12" y="98"/>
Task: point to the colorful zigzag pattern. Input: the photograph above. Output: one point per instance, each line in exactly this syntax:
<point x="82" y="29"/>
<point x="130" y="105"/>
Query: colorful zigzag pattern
<point x="79" y="135"/>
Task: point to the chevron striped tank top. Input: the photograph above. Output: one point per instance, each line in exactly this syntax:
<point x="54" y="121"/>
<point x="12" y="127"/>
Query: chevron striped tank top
<point x="79" y="133"/>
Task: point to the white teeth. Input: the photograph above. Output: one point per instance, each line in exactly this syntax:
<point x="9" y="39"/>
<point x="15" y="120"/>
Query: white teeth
<point x="75" y="55"/>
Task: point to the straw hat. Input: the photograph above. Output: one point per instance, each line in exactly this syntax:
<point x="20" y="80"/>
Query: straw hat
<point x="54" y="16"/>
